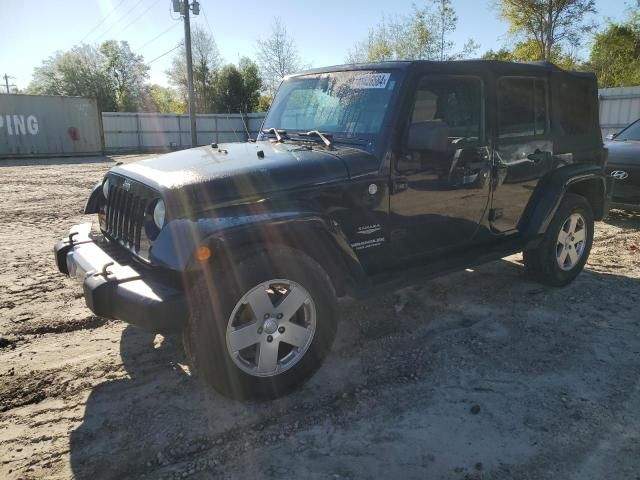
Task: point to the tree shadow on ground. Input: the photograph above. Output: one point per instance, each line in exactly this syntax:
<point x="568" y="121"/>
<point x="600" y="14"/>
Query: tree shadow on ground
<point x="626" y="219"/>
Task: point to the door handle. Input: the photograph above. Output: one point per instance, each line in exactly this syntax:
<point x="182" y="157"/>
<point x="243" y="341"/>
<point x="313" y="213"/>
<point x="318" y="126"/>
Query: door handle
<point x="399" y="185"/>
<point x="537" y="156"/>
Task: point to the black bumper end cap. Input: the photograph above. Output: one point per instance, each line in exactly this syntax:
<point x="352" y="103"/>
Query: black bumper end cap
<point x="150" y="305"/>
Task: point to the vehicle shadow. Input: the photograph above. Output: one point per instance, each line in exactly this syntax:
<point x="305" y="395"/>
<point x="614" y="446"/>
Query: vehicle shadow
<point x="155" y="417"/>
<point x="125" y="418"/>
<point x="626" y="219"/>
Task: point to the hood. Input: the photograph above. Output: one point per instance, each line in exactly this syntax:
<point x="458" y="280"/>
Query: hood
<point x="623" y="153"/>
<point x="242" y="170"/>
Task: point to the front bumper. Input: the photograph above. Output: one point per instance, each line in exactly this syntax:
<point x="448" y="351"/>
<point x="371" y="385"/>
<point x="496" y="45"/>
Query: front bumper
<point x="115" y="287"/>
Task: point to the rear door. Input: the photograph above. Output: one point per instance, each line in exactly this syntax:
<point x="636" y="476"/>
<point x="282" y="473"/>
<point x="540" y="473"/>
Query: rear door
<point x="523" y="147"/>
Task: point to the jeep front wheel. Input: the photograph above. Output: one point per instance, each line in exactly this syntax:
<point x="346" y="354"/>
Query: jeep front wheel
<point x="565" y="247"/>
<point x="264" y="327"/>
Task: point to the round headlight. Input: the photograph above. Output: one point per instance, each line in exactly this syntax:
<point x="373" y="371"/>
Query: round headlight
<point x="105" y="188"/>
<point x="158" y="214"/>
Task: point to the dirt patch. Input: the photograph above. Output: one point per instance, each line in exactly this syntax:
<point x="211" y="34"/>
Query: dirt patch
<point x="89" y="323"/>
<point x="480" y="374"/>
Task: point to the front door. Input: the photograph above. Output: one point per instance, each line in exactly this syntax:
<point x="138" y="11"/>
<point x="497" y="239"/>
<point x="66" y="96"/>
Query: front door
<point x="438" y="198"/>
<point x="523" y="148"/>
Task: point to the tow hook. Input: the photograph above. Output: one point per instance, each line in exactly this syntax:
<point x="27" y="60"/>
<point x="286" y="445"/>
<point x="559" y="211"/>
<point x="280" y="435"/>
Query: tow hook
<point x="105" y="269"/>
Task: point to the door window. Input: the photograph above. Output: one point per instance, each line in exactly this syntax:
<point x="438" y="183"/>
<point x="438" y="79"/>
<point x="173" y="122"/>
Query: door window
<point x="522" y="107"/>
<point x="453" y="100"/>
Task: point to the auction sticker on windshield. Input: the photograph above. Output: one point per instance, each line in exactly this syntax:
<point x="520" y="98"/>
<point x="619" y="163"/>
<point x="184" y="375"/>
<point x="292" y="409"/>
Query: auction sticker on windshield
<point x="370" y="80"/>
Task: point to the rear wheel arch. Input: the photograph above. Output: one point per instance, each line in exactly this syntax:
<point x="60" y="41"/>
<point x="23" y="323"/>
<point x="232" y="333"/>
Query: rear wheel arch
<point x="587" y="181"/>
<point x="594" y="190"/>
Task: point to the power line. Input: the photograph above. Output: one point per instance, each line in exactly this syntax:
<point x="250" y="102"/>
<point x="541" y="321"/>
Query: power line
<point x="102" y="21"/>
<point x="118" y="21"/>
<point x="165" y="53"/>
<point x="204" y="13"/>
<point x="139" y="16"/>
<point x="157" y="37"/>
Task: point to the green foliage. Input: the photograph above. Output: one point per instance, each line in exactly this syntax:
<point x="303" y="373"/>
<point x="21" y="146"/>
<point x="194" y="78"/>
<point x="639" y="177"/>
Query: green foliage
<point x="252" y="84"/>
<point x="128" y="72"/>
<point x="81" y="71"/>
<point x="164" y="100"/>
<point x="503" y="54"/>
<point x="548" y="24"/>
<point x="229" y="90"/>
<point x="112" y="74"/>
<point x="237" y="89"/>
<point x="527" y="51"/>
<point x="424" y="34"/>
<point x="615" y="55"/>
<point x="264" y="102"/>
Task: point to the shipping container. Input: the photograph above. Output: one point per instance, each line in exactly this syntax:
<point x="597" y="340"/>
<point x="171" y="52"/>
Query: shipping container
<point x="42" y="125"/>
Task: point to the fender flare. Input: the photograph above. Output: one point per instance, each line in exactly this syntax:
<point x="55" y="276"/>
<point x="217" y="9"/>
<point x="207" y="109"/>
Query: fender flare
<point x="588" y="180"/>
<point x="233" y="238"/>
<point x="93" y="202"/>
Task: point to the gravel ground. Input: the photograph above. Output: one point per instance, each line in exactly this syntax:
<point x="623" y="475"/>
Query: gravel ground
<point x="480" y="374"/>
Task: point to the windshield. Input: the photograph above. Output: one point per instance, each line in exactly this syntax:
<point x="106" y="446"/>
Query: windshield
<point x="632" y="132"/>
<point x="344" y="104"/>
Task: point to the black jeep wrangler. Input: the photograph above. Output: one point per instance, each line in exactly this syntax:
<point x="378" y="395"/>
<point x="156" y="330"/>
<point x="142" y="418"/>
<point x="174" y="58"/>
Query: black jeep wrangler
<point x="364" y="178"/>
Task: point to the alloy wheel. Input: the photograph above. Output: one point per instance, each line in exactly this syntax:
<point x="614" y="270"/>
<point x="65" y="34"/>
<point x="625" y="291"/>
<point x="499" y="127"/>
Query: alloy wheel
<point x="271" y="327"/>
<point x="572" y="240"/>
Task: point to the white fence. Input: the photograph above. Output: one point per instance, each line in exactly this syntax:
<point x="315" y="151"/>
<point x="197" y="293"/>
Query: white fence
<point x="618" y="108"/>
<point x="139" y="132"/>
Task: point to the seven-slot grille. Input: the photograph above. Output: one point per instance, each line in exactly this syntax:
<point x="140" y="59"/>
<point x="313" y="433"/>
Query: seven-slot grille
<point x="125" y="215"/>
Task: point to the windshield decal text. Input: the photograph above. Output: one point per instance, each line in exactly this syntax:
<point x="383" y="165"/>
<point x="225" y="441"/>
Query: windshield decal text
<point x="370" y="80"/>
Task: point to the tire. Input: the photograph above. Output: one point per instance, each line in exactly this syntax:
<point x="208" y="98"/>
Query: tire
<point x="557" y="263"/>
<point x="222" y="320"/>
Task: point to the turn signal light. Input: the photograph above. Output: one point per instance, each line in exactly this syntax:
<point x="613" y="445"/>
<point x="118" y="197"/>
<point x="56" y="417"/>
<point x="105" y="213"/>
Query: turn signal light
<point x="203" y="253"/>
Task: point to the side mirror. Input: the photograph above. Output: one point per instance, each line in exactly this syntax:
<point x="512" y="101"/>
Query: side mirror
<point x="611" y="136"/>
<point x="432" y="136"/>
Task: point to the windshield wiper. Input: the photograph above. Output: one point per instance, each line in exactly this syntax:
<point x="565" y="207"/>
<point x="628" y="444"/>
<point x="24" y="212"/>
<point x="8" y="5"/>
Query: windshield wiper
<point x="322" y="136"/>
<point x="280" y="134"/>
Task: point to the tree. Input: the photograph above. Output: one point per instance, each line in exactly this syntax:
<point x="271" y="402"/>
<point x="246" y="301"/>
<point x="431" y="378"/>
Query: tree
<point x="206" y="63"/>
<point x="527" y="51"/>
<point x="164" y="100"/>
<point x="252" y="84"/>
<point x="128" y="73"/>
<point x="549" y="24"/>
<point x="229" y="90"/>
<point x="277" y="57"/>
<point x="80" y="71"/>
<point x="615" y="55"/>
<point x="424" y="34"/>
<point x="237" y="89"/>
<point x="264" y="102"/>
<point x="447" y="21"/>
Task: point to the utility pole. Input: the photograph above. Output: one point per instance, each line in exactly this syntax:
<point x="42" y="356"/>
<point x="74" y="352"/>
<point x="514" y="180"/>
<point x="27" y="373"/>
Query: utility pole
<point x="6" y="82"/>
<point x="184" y="8"/>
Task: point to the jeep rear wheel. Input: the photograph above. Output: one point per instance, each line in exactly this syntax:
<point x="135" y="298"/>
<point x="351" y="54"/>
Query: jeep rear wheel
<point x="565" y="247"/>
<point x="264" y="327"/>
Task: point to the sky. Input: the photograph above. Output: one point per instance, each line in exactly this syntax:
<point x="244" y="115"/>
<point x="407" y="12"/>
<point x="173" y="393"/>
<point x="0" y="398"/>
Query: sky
<point x="323" y="31"/>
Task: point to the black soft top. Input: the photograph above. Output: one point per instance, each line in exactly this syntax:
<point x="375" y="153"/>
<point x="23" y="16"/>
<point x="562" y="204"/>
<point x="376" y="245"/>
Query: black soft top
<point x="470" y="66"/>
<point x="573" y="97"/>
